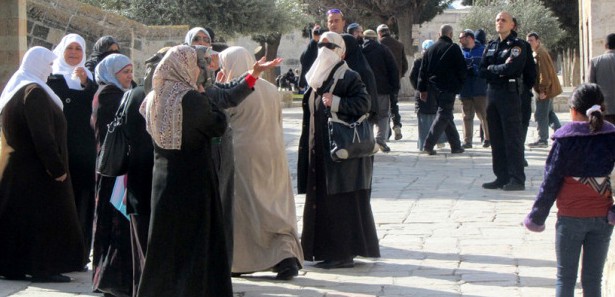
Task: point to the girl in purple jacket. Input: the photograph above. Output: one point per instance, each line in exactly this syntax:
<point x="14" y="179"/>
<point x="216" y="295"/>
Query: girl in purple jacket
<point x="577" y="178"/>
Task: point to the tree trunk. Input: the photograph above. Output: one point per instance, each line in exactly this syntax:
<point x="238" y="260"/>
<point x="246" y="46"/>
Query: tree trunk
<point x="273" y="43"/>
<point x="576" y="68"/>
<point x="405" y="21"/>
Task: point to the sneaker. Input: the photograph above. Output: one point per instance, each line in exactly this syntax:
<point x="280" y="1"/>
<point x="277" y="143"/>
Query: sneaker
<point x="467" y="145"/>
<point x="538" y="144"/>
<point x="486" y="143"/>
<point x="513" y="186"/>
<point x="496" y="184"/>
<point x="397" y="131"/>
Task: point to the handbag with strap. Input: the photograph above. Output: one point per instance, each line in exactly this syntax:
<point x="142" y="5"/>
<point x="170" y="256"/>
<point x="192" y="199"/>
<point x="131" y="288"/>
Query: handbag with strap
<point x="350" y="140"/>
<point x="113" y="156"/>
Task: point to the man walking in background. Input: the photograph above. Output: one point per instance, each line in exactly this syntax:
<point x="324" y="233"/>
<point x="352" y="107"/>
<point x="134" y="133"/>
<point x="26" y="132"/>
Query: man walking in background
<point x="397" y="49"/>
<point x="443" y="72"/>
<point x="547" y="87"/>
<point x="602" y="72"/>
<point x="385" y="71"/>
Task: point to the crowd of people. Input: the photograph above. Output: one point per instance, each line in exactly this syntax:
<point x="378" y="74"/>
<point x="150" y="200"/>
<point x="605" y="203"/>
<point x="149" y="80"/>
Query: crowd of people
<point x="208" y="190"/>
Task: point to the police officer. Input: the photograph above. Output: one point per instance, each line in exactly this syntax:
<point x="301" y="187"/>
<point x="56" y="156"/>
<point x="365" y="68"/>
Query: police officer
<point x="502" y="65"/>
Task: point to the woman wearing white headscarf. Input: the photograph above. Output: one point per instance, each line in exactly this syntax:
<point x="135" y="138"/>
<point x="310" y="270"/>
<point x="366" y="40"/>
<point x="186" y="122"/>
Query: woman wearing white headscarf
<point x="73" y="83"/>
<point x="39" y="230"/>
<point x="265" y="224"/>
<point x="112" y="254"/>
<point x="338" y="224"/>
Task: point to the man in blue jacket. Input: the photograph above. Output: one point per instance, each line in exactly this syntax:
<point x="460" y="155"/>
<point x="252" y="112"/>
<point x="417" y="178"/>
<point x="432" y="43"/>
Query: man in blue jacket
<point x="474" y="92"/>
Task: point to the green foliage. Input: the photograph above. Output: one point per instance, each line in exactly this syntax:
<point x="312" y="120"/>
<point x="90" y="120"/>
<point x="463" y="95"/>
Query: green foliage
<point x="568" y="14"/>
<point x="370" y="13"/>
<point x="225" y="17"/>
<point x="531" y="15"/>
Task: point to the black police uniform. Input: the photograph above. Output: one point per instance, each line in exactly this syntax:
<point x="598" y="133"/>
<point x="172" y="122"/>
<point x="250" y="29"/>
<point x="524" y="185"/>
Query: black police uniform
<point x="502" y="66"/>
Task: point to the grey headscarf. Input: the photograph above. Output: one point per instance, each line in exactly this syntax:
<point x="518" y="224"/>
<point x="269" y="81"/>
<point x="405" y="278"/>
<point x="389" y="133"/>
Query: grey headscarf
<point x="108" y="67"/>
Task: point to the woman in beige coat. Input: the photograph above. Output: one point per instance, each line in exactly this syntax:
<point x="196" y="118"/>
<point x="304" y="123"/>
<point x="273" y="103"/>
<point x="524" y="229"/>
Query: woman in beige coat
<point x="265" y="223"/>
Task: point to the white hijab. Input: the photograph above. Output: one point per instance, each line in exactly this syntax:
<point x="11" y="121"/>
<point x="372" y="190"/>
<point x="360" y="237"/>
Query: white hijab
<point x="61" y="67"/>
<point x="35" y="68"/>
<point x="326" y="60"/>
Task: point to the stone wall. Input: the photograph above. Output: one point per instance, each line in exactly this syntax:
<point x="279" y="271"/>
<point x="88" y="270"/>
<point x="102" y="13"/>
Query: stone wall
<point x="49" y="20"/>
<point x="12" y="38"/>
<point x="595" y="23"/>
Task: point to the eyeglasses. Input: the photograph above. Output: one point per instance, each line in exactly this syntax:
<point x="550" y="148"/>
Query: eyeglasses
<point x="328" y="45"/>
<point x="202" y="38"/>
<point x="335" y="11"/>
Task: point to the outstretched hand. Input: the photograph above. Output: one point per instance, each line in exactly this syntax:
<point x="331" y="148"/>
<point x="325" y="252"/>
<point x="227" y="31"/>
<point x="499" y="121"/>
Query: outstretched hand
<point x="263" y="65"/>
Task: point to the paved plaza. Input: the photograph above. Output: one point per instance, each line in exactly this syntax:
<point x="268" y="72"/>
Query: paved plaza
<point x="441" y="234"/>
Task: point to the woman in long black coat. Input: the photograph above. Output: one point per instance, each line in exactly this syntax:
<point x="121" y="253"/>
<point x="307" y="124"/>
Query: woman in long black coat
<point x="338" y="224"/>
<point x="74" y="84"/>
<point x="39" y="230"/>
<point x="112" y="261"/>
<point x="186" y="252"/>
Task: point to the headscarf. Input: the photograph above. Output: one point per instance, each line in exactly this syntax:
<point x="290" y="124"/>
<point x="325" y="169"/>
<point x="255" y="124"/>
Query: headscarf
<point x="235" y="61"/>
<point x="61" y="67"/>
<point x="109" y="67"/>
<point x="100" y="51"/>
<point x="427" y="44"/>
<point x="192" y="33"/>
<point x="35" y="68"/>
<point x="326" y="60"/>
<point x="174" y="76"/>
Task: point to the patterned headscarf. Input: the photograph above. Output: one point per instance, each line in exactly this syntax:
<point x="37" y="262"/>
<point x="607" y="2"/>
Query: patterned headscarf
<point x="175" y="75"/>
<point x="61" y="67"/>
<point x="35" y="68"/>
<point x="109" y="67"/>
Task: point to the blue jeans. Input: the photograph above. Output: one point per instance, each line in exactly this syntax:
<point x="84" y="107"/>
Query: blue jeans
<point x="545" y="117"/>
<point x="424" y="124"/>
<point x="573" y="234"/>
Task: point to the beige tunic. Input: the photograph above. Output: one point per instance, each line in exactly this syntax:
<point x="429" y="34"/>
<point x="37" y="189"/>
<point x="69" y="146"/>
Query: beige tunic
<point x="265" y="222"/>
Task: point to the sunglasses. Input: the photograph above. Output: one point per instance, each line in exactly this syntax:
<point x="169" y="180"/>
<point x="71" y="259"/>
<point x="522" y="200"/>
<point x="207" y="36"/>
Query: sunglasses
<point x="201" y="38"/>
<point x="328" y="45"/>
<point x="335" y="11"/>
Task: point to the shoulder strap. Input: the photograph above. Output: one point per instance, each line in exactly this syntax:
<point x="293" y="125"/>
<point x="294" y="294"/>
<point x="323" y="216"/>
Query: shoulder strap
<point x="337" y="76"/>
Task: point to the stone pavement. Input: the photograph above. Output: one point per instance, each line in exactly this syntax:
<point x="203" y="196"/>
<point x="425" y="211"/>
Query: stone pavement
<point x="441" y="234"/>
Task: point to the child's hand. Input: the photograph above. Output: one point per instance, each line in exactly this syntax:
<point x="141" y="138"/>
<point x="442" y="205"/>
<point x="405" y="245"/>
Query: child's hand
<point x="532" y="226"/>
<point x="611" y="217"/>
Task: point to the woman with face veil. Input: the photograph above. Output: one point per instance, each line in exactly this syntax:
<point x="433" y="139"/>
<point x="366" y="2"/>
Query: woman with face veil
<point x="338" y="224"/>
<point x="39" y="230"/>
<point x="265" y="223"/>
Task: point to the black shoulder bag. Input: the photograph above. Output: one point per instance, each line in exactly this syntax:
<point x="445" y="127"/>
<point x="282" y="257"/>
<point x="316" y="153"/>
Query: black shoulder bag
<point x="113" y="156"/>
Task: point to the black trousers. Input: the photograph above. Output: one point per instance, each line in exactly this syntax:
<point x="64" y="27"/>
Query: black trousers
<point x="443" y="121"/>
<point x="504" y="118"/>
<point x="526" y="112"/>
<point x="395" y="110"/>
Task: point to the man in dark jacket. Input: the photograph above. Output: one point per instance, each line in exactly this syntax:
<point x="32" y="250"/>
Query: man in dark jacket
<point x="385" y="71"/>
<point x="502" y="65"/>
<point x="309" y="55"/>
<point x="443" y="72"/>
<point x="397" y="49"/>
